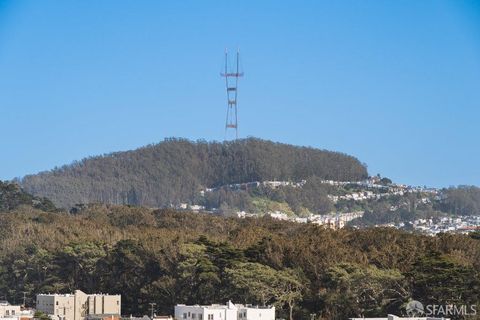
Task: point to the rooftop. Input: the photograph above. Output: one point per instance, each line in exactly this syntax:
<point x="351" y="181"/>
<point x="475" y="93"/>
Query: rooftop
<point x="229" y="305"/>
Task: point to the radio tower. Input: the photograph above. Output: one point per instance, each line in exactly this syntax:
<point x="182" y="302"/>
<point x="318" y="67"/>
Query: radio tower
<point x="231" y="82"/>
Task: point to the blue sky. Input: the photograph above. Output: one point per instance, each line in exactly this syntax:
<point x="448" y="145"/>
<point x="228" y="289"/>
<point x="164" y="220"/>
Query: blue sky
<point x="394" y="83"/>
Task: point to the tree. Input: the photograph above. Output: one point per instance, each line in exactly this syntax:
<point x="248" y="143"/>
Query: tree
<point x="290" y="285"/>
<point x="77" y="265"/>
<point x="265" y="284"/>
<point x="128" y="268"/>
<point x="198" y="275"/>
<point x="359" y="291"/>
<point x="254" y="281"/>
<point x="438" y="279"/>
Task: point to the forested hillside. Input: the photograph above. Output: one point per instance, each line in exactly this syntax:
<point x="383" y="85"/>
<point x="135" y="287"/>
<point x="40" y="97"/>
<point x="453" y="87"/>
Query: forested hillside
<point x="175" y="170"/>
<point x="168" y="257"/>
<point x="463" y="200"/>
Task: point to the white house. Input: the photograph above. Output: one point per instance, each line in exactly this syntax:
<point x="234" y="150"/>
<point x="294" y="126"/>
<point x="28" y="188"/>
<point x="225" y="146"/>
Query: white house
<point x="7" y="310"/>
<point x="10" y="312"/>
<point x="249" y="312"/>
<point x="229" y="311"/>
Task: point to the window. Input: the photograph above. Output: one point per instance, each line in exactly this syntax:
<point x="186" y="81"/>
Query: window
<point x="56" y="303"/>
<point x="184" y="316"/>
<point x="210" y="317"/>
<point x="13" y="312"/>
<point x="194" y="316"/>
<point x="200" y="316"/>
<point x="7" y="312"/>
<point x="189" y="314"/>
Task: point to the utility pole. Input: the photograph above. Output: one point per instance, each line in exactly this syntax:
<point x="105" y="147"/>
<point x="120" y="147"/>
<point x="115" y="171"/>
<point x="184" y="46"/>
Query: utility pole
<point x="24" y="297"/>
<point x="231" y="82"/>
<point x="152" y="305"/>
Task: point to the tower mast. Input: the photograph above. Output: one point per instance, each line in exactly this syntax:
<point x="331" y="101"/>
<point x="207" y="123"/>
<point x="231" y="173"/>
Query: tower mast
<point x="231" y="83"/>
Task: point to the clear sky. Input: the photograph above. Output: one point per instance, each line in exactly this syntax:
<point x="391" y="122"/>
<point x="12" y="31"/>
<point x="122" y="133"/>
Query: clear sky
<point x="394" y="83"/>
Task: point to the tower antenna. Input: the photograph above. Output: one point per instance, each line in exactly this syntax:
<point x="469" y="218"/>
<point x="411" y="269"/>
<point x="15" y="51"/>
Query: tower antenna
<point x="231" y="83"/>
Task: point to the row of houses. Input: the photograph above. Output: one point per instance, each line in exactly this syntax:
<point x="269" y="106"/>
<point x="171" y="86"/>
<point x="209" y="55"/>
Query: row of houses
<point x="255" y="184"/>
<point x="331" y="221"/>
<point x="336" y="221"/>
<point x="369" y="195"/>
<point x="82" y="306"/>
<point x="375" y="183"/>
<point x="99" y="306"/>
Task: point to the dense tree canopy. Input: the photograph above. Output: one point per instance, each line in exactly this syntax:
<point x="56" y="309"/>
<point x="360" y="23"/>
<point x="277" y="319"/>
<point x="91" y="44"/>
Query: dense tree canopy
<point x="464" y="200"/>
<point x="169" y="257"/>
<point x="175" y="170"/>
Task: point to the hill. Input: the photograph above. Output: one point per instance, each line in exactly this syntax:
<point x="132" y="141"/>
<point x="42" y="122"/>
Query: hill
<point x="175" y="170"/>
<point x="170" y="257"/>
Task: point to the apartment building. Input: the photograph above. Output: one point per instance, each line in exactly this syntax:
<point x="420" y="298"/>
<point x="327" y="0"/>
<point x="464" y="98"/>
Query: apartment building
<point x="7" y="310"/>
<point x="79" y="305"/>
<point x="10" y="312"/>
<point x="229" y="311"/>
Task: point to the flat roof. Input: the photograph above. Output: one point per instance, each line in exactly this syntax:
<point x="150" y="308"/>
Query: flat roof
<point x="73" y="294"/>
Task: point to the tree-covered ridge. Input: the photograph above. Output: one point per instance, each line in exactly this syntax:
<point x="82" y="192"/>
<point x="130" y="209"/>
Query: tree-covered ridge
<point x="168" y="257"/>
<point x="463" y="200"/>
<point x="175" y="170"/>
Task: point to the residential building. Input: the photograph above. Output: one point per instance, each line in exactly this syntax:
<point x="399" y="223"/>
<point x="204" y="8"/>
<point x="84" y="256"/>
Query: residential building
<point x="7" y="310"/>
<point x="229" y="311"/>
<point x="250" y="312"/>
<point x="79" y="306"/>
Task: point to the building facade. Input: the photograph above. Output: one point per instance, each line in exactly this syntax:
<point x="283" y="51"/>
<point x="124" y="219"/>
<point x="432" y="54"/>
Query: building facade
<point x="7" y="310"/>
<point x="255" y="313"/>
<point x="11" y="312"/>
<point x="79" y="305"/>
<point x="229" y="311"/>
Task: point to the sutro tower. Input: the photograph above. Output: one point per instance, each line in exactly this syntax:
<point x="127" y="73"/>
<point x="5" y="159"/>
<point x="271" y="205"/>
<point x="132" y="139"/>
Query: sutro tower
<point x="231" y="82"/>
